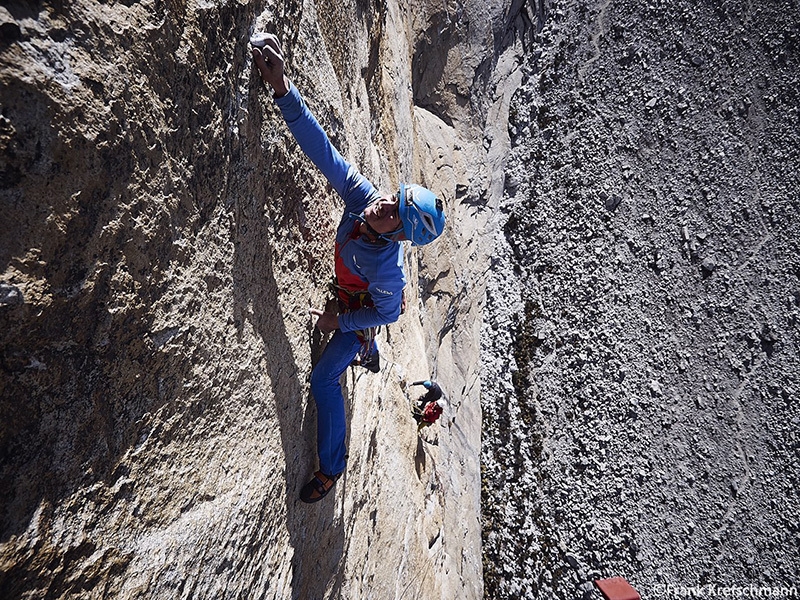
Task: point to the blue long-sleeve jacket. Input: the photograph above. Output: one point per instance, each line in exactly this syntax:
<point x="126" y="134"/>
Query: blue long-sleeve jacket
<point x="360" y="264"/>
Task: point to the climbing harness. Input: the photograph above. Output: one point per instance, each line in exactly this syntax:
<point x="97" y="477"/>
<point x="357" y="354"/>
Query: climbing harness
<point x="352" y="300"/>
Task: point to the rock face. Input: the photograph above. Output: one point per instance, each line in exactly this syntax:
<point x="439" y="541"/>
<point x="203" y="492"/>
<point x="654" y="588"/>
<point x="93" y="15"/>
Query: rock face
<point x="641" y="333"/>
<point x="627" y="175"/>
<point x="162" y="238"/>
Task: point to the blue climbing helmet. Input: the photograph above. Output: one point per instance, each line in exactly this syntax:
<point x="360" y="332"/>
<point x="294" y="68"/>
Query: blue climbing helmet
<point x="422" y="214"/>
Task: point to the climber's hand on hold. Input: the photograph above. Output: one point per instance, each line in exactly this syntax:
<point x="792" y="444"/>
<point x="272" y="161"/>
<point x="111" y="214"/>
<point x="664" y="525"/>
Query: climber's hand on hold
<point x="327" y="321"/>
<point x="269" y="62"/>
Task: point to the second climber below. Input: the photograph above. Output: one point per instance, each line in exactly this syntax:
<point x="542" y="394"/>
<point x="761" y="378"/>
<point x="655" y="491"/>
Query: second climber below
<point x="369" y="269"/>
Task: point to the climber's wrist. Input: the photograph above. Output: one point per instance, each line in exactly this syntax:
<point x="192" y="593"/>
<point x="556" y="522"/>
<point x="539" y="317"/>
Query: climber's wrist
<point x="280" y="88"/>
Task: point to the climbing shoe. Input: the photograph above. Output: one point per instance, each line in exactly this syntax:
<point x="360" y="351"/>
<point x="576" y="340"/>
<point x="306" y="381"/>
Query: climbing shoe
<point x="316" y="489"/>
<point x="371" y="363"/>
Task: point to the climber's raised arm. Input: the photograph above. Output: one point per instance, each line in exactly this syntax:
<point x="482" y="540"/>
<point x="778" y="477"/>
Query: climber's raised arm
<point x="304" y="126"/>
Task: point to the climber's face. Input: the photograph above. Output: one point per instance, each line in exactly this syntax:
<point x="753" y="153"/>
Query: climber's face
<point x="383" y="214"/>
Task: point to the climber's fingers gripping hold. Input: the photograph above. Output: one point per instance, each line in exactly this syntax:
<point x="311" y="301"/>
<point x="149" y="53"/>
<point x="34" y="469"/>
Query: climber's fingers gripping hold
<point x="273" y="46"/>
<point x="270" y="64"/>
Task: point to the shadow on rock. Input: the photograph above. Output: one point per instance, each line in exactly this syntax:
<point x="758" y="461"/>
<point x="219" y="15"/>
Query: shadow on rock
<point x="316" y="538"/>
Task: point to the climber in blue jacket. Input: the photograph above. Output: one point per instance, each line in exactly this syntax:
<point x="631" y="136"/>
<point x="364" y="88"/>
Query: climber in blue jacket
<point x="369" y="269"/>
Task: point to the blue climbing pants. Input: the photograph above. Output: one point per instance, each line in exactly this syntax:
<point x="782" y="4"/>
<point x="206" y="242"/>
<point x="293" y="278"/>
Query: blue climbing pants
<point x="327" y="391"/>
